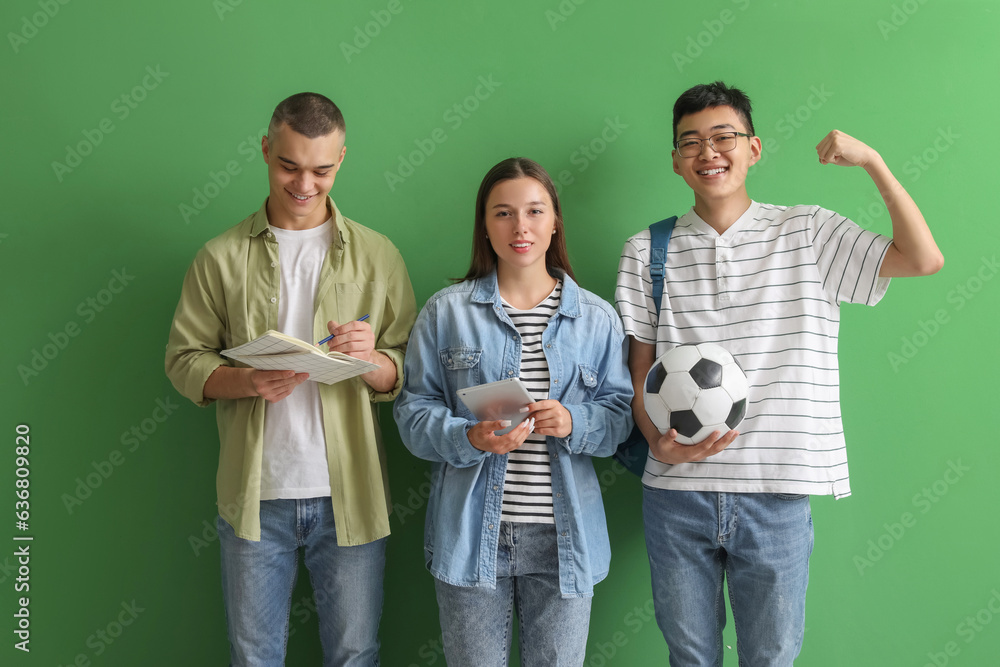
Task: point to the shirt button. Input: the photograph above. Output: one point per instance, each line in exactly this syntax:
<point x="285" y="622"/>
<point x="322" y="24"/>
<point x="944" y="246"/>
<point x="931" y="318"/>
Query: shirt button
<point x="270" y="235"/>
<point x="273" y="264"/>
<point x="274" y="300"/>
<point x="555" y="382"/>
<point x="565" y="533"/>
<point x="495" y="487"/>
<point x="491" y="526"/>
<point x="509" y="373"/>
<point x="558" y="495"/>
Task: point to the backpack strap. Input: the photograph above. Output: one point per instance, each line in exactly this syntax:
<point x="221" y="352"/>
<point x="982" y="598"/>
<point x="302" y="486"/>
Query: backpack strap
<point x="635" y="450"/>
<point x="659" y="238"/>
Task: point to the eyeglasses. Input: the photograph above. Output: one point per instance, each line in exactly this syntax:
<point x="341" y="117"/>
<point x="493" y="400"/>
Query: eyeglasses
<point x="722" y="142"/>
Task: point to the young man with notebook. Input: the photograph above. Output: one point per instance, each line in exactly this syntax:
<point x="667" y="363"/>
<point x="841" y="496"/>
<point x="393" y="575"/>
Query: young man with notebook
<point x="766" y="283"/>
<point x="301" y="462"/>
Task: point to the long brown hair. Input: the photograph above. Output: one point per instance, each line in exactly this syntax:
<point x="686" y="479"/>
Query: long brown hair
<point x="484" y="258"/>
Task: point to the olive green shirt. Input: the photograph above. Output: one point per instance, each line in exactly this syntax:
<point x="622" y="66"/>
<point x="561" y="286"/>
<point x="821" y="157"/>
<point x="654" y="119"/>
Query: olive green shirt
<point x="230" y="296"/>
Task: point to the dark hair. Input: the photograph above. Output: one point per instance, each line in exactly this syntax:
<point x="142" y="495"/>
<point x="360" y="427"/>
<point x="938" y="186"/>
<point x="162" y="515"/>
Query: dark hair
<point x="309" y="114"/>
<point x="706" y="95"/>
<point x="484" y="258"/>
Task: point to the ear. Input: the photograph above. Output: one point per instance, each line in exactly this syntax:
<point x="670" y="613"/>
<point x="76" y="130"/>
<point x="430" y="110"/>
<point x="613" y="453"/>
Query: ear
<point x="676" y="161"/>
<point x="264" y="148"/>
<point x="340" y="160"/>
<point x="755" y="150"/>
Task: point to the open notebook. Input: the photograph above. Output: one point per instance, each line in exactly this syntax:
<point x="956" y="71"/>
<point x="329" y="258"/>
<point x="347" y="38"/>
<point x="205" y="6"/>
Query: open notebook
<point x="275" y="351"/>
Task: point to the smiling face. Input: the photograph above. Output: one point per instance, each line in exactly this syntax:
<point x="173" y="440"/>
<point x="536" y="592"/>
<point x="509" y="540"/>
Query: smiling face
<point x="718" y="179"/>
<point x="520" y="221"/>
<point x="300" y="172"/>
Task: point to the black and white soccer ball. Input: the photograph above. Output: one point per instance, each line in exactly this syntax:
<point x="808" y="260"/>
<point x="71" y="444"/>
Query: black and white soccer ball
<point x="696" y="389"/>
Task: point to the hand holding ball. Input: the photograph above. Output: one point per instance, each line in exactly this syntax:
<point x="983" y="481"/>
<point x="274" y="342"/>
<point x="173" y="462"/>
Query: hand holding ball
<point x="696" y="389"/>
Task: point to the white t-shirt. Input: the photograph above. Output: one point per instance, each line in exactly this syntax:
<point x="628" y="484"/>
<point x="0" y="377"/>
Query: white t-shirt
<point x="768" y="290"/>
<point x="294" y="461"/>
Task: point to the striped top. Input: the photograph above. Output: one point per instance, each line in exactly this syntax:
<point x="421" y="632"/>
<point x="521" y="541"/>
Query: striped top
<point x="527" y="487"/>
<point x="769" y="290"/>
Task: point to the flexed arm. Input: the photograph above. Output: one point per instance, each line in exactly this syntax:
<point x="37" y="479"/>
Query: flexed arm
<point x="913" y="251"/>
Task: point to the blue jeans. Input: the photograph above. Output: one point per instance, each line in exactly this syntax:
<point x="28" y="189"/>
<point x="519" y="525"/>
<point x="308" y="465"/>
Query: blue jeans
<point x="476" y="621"/>
<point x="258" y="579"/>
<point x="759" y="543"/>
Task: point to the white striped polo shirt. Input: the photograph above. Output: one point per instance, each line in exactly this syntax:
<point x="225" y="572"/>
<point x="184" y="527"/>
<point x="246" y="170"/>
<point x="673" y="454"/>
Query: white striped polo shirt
<point x="768" y="290"/>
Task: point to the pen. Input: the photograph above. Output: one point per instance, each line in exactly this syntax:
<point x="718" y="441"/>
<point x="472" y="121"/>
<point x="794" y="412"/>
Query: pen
<point x="330" y="337"/>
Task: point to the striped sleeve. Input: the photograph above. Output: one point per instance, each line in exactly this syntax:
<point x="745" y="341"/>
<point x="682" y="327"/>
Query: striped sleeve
<point x="633" y="294"/>
<point x="848" y="259"/>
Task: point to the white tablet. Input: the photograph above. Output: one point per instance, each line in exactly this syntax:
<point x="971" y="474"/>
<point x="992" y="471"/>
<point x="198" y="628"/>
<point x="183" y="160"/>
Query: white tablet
<point x="498" y="400"/>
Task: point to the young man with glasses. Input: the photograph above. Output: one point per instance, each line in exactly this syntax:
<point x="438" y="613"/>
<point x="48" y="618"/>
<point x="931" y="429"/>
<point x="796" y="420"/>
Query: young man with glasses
<point x="765" y="282"/>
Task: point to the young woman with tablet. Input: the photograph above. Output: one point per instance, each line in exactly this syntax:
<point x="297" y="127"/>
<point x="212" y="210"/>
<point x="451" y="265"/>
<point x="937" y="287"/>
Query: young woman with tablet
<point x="515" y="520"/>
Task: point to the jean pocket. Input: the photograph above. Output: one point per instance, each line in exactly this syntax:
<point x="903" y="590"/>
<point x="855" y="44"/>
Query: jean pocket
<point x="790" y="496"/>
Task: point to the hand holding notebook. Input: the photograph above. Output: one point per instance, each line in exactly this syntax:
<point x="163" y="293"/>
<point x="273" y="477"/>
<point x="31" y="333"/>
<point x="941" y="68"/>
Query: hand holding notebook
<point x="275" y="351"/>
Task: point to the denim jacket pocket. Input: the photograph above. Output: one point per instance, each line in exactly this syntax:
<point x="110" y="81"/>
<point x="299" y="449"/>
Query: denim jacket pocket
<point x="461" y="370"/>
<point x="583" y="389"/>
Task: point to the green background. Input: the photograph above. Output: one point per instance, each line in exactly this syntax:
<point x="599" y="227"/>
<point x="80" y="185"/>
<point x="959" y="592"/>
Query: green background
<point x="904" y="572"/>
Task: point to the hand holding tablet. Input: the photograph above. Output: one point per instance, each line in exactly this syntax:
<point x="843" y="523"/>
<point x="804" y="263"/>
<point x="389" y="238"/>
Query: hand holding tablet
<point x="502" y="400"/>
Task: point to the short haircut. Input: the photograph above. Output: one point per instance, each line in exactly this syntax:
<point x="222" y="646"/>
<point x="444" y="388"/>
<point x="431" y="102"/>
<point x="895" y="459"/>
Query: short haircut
<point x="707" y="95"/>
<point x="484" y="258"/>
<point x="309" y="114"/>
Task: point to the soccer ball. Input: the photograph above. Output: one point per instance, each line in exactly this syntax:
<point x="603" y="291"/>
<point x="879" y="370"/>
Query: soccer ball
<point x="696" y="389"/>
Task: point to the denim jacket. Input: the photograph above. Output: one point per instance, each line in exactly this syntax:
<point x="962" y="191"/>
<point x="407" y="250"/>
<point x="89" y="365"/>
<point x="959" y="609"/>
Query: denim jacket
<point x="463" y="337"/>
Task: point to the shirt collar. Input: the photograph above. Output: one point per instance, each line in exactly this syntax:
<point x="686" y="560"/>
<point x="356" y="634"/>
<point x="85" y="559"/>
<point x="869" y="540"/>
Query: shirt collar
<point x="486" y="290"/>
<point x="342" y="235"/>
<point x="745" y="221"/>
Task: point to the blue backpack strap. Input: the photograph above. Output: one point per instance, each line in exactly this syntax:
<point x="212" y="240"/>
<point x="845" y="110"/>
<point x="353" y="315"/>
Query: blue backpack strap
<point x="659" y="233"/>
<point x="633" y="452"/>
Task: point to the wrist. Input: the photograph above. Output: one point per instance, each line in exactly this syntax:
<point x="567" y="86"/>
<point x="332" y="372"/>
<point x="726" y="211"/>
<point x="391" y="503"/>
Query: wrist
<point x="874" y="164"/>
<point x="249" y="388"/>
